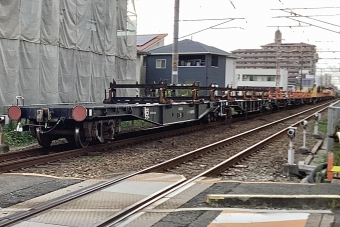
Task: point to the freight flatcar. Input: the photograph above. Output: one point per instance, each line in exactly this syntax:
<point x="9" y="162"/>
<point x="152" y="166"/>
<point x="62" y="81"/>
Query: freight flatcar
<point x="162" y="104"/>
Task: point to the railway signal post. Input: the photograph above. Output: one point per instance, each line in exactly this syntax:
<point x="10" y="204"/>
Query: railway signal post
<point x="291" y="169"/>
<point x="304" y="149"/>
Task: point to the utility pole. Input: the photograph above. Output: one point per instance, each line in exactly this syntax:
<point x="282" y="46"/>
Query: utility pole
<point x="301" y="67"/>
<point x="174" y="75"/>
<point x="278" y="41"/>
<point x="278" y="75"/>
<point x="301" y="64"/>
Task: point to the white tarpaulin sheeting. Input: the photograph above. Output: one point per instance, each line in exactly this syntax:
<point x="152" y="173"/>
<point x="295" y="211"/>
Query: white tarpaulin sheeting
<point x="65" y="50"/>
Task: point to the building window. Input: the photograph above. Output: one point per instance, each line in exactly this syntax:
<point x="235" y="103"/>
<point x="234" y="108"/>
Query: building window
<point x="271" y="78"/>
<point x="191" y="60"/>
<point x="214" y="60"/>
<point x="252" y="78"/>
<point x="161" y="63"/>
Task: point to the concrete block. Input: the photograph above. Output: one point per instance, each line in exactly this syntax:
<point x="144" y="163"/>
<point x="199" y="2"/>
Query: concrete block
<point x="291" y="170"/>
<point x="305" y="168"/>
<point x="316" y="136"/>
<point x="317" y="147"/>
<point x="314" y="220"/>
<point x="309" y="159"/>
<point x="303" y="150"/>
<point x="273" y="201"/>
<point x="327" y="220"/>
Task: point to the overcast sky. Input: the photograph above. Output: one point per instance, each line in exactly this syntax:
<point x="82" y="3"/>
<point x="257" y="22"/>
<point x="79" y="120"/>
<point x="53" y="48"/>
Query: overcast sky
<point x="157" y="16"/>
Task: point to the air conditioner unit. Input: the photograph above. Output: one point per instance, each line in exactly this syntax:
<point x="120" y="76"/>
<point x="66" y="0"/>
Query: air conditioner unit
<point x="245" y="77"/>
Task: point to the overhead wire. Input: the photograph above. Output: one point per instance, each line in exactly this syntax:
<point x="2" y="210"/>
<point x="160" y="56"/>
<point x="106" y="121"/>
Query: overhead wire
<point x="314" y="25"/>
<point x="309" y="8"/>
<point x="206" y="28"/>
<point x="295" y="14"/>
<point x="208" y="19"/>
<point x="331" y="15"/>
<point x="232" y="4"/>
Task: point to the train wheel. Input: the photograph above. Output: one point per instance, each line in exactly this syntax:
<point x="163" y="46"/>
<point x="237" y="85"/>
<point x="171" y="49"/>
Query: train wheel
<point x="79" y="137"/>
<point x="43" y="139"/>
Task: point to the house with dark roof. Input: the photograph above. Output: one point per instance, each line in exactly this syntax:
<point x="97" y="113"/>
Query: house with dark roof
<point x="150" y="42"/>
<point x="197" y="62"/>
<point x="145" y="43"/>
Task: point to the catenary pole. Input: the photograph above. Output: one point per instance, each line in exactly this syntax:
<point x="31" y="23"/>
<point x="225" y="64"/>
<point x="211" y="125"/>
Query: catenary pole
<point x="174" y="75"/>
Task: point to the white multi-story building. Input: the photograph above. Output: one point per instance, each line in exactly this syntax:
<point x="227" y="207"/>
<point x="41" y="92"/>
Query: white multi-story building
<point x="293" y="57"/>
<point x="260" y="78"/>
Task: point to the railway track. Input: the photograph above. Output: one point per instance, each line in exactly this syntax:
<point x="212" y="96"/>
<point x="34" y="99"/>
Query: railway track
<point x="213" y="171"/>
<point x="37" y="156"/>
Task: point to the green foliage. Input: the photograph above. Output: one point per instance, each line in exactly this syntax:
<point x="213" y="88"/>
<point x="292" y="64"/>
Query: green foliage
<point x="323" y="126"/>
<point x="336" y="153"/>
<point x="320" y="160"/>
<point x="14" y="138"/>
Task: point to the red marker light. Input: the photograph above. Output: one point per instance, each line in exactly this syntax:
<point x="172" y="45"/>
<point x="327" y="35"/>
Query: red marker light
<point x="79" y="113"/>
<point x="14" y="113"/>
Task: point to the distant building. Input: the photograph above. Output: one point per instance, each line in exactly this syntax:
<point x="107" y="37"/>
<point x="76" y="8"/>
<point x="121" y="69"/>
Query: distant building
<point x="296" y="58"/>
<point x="197" y="62"/>
<point x="260" y="78"/>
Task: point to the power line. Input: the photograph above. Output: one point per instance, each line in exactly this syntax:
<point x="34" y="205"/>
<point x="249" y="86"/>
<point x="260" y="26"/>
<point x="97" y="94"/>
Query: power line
<point x="315" y="25"/>
<point x="295" y="14"/>
<point x="209" y="28"/>
<point x="289" y="26"/>
<point x="208" y="19"/>
<point x="232" y="4"/>
<point x="312" y="16"/>
<point x="228" y="28"/>
<point x="309" y="8"/>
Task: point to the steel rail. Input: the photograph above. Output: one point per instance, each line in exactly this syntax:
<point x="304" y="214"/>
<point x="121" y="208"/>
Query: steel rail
<point x="133" y="209"/>
<point x="200" y="151"/>
<point x="17" y="163"/>
<point x="19" y="154"/>
<point x="123" y="214"/>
